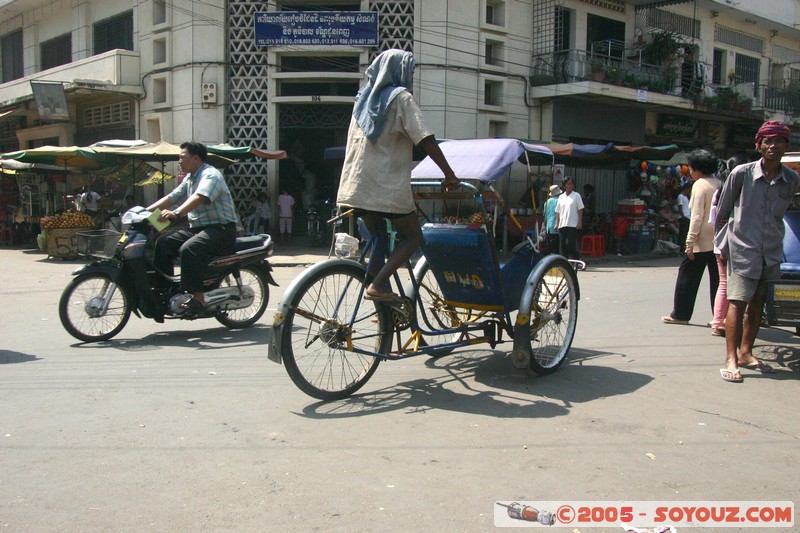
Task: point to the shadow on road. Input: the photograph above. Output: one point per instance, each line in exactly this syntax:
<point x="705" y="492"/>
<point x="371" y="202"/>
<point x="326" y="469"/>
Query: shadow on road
<point x="8" y="357"/>
<point x="205" y="339"/>
<point x="513" y="393"/>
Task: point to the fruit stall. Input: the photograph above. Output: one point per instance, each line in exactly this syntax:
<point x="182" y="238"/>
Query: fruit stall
<point x="59" y="233"/>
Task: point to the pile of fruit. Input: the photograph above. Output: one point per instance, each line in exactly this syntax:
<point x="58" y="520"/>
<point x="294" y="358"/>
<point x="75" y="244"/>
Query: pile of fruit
<point x="477" y="218"/>
<point x="69" y="219"/>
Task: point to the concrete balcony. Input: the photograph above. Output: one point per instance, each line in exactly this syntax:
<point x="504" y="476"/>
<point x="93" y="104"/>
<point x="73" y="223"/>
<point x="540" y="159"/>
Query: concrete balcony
<point x="115" y="71"/>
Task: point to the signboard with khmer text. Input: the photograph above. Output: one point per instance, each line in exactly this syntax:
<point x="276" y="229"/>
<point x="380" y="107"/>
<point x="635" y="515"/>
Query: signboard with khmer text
<point x="316" y="28"/>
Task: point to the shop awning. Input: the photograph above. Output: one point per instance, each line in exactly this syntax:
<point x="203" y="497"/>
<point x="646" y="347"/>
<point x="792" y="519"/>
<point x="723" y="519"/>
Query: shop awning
<point x="481" y="159"/>
<point x="610" y="152"/>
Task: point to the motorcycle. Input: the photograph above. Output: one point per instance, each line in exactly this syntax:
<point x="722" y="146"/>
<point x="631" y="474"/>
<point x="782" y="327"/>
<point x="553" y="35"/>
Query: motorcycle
<point x="99" y="300"/>
<point x="316" y="218"/>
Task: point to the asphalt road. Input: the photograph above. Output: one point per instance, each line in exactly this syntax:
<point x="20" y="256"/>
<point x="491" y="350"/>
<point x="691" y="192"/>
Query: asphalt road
<point x="187" y="426"/>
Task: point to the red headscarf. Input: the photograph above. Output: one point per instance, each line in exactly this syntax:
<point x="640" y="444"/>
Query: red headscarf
<point x="772" y="128"/>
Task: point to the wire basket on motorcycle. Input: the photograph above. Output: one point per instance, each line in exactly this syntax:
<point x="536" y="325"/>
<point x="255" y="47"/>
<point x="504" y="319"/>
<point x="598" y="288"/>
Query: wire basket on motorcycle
<point x="101" y="243"/>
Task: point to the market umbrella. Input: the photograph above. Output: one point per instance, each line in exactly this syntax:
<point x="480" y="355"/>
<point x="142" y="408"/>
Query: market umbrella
<point x="137" y="172"/>
<point x="66" y="157"/>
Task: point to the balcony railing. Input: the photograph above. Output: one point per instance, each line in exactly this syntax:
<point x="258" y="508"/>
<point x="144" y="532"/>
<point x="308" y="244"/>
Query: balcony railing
<point x="572" y="66"/>
<point x="786" y="101"/>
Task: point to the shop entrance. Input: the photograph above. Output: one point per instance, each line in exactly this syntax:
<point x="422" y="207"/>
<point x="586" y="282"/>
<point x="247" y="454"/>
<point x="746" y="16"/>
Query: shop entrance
<point x="305" y="131"/>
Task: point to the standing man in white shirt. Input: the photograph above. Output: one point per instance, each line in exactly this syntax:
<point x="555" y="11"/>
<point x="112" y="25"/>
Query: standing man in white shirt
<point x="569" y="220"/>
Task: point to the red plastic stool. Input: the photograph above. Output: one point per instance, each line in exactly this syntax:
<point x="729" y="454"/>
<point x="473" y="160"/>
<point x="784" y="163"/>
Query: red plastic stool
<point x="593" y="245"/>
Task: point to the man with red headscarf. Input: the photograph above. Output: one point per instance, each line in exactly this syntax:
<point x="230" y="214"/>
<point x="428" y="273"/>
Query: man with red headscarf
<point x="749" y="233"/>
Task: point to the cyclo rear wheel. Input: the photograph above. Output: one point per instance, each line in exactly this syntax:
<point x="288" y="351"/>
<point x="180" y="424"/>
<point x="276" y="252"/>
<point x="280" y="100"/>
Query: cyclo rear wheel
<point x="318" y="341"/>
<point x="554" y="315"/>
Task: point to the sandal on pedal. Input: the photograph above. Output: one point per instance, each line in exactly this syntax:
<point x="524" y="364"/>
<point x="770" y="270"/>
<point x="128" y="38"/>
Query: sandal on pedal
<point x="193" y="306"/>
<point x="388" y="297"/>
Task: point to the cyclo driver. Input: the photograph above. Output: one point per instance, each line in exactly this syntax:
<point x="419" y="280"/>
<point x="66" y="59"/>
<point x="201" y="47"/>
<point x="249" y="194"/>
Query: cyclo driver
<point x="205" y="199"/>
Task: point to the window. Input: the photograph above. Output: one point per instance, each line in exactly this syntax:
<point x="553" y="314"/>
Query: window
<point x="119" y="113"/>
<point x="56" y="51"/>
<point x="160" y="91"/>
<point x="563" y="29"/>
<point x="115" y="32"/>
<point x="718" y="66"/>
<point x="493" y="53"/>
<point x="492" y="93"/>
<point x="497" y="129"/>
<point x="748" y="69"/>
<point x="159" y="12"/>
<point x="495" y="12"/>
<point x="159" y="51"/>
<point x="309" y="63"/>
<point x="11" y="50"/>
<point x="603" y="34"/>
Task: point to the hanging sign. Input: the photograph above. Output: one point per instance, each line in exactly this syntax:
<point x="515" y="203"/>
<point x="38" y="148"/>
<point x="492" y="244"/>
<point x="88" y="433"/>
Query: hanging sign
<point x="316" y="28"/>
<point x="677" y="126"/>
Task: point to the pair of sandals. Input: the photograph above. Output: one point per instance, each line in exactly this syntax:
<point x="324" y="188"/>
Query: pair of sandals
<point x="734" y="376"/>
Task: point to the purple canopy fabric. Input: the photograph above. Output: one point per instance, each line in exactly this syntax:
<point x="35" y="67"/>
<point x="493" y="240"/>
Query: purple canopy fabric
<point x="481" y="159"/>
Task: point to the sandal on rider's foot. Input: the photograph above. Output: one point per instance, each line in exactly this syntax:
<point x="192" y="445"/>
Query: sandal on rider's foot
<point x="760" y="366"/>
<point x="668" y="319"/>
<point x="383" y="297"/>
<point x="193" y="306"/>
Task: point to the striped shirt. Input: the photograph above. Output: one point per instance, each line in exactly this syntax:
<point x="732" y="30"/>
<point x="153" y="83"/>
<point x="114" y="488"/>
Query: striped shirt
<point x="208" y="182"/>
<point x="754" y="220"/>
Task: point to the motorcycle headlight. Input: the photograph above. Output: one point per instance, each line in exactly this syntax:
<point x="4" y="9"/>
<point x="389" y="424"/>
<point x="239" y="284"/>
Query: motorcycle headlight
<point x="135" y="214"/>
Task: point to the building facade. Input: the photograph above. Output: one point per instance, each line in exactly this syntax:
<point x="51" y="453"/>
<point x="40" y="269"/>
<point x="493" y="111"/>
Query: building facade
<point x="640" y="72"/>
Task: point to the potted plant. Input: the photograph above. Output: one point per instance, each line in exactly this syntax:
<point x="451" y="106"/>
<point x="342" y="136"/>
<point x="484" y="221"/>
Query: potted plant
<point x="726" y="98"/>
<point x="613" y="75"/>
<point x="664" y="44"/>
<point x="629" y="80"/>
<point x="597" y="70"/>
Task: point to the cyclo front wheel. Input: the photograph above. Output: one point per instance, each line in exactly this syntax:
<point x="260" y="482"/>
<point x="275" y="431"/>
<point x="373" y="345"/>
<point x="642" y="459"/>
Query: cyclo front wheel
<point x="319" y="343"/>
<point x="93" y="309"/>
<point x="553" y="315"/>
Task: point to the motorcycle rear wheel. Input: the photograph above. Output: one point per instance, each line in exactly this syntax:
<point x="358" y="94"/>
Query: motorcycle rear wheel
<point x="242" y="318"/>
<point x="79" y="312"/>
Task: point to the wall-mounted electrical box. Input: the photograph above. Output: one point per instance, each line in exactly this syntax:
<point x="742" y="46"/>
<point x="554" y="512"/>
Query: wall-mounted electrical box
<point x="208" y="93"/>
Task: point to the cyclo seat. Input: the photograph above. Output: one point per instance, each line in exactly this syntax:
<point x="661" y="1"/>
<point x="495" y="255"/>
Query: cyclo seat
<point x="463" y="262"/>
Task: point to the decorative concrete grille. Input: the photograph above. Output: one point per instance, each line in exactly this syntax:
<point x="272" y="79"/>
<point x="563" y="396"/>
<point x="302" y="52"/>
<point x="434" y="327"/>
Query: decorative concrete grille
<point x="247" y="97"/>
<point x="246" y="113"/>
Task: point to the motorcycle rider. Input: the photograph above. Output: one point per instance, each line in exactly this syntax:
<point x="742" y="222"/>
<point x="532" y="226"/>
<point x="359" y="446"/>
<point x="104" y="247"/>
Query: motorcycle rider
<point x="204" y="198"/>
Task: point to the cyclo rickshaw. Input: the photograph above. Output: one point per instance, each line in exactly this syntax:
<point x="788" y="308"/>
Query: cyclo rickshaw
<point x="782" y="306"/>
<point x="458" y="294"/>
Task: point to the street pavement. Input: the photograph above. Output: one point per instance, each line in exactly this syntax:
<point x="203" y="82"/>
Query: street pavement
<point x="186" y="426"/>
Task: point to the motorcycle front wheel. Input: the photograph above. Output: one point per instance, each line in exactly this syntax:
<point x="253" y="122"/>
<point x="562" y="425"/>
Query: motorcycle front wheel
<point x="256" y="279"/>
<point x="83" y="310"/>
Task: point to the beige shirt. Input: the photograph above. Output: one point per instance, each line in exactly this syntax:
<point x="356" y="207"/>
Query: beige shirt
<point x="377" y="176"/>
<point x="701" y="232"/>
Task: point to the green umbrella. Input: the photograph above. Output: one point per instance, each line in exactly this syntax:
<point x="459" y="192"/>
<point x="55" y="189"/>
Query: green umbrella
<point x="62" y="156"/>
